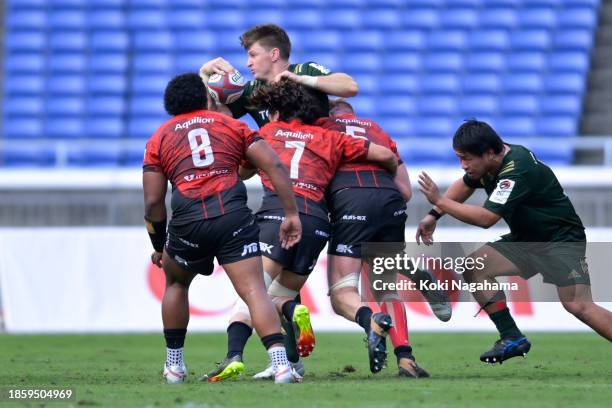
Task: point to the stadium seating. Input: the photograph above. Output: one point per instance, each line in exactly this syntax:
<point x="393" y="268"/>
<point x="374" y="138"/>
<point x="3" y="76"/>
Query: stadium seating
<point x="76" y="69"/>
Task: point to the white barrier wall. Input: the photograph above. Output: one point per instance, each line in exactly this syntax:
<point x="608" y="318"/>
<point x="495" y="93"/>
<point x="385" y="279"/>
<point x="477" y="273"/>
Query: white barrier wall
<point x="101" y="279"/>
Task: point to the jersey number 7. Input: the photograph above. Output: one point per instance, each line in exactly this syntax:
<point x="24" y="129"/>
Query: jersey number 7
<point x="295" y="160"/>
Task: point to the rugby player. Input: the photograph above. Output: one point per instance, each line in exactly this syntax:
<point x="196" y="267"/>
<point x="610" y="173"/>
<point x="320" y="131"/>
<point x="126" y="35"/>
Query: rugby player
<point x="312" y="155"/>
<point x="199" y="152"/>
<point x="546" y="235"/>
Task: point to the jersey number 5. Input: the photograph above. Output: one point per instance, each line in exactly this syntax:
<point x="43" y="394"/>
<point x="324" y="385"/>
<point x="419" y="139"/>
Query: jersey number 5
<point x="197" y="147"/>
<point x="295" y="160"/>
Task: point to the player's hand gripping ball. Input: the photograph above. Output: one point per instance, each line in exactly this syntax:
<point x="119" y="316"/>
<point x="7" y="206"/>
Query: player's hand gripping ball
<point x="226" y="88"/>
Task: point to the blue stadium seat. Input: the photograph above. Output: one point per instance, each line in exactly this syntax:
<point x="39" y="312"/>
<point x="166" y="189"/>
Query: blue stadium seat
<point x="503" y="3"/>
<point x="132" y="156"/>
<point x="227" y="40"/>
<point x="515" y="126"/>
<point x="381" y="19"/>
<point x="463" y="3"/>
<point x="401" y="62"/>
<point x="368" y="85"/>
<point x="446" y="40"/>
<point x="65" y="106"/>
<point x="439" y="84"/>
<point x="327" y="59"/>
<point x="526" y="62"/>
<point x="106" y="84"/>
<point x="578" y="18"/>
<point x="149" y="84"/>
<point x="94" y="156"/>
<point x="519" y="105"/>
<point x="66" y="85"/>
<point x="341" y="19"/>
<point x="360" y="62"/>
<point x="579" y="40"/>
<point x="480" y="84"/>
<point x="434" y="127"/>
<point x="191" y="62"/>
<point x="153" y="41"/>
<point x="488" y="40"/>
<point x="223" y="19"/>
<point x="346" y="3"/>
<point x="67" y="3"/>
<point x="554" y="154"/>
<point x="27" y="155"/>
<point x="64" y="128"/>
<point x="68" y="41"/>
<point x="106" y="128"/>
<point x="23" y="85"/>
<point x="23" y="105"/>
<point x="420" y="18"/>
<point x="536" y="4"/>
<point x="25" y="20"/>
<point x="565" y="83"/>
<point x="268" y="3"/>
<point x="569" y="105"/>
<point x="569" y="62"/>
<point x="107" y="3"/>
<point x="497" y="18"/>
<point x="485" y="62"/>
<point x="404" y="40"/>
<point x="363" y="41"/>
<point x="143" y="127"/>
<point x="109" y="41"/>
<point x="218" y="4"/>
<point x="106" y="19"/>
<point x="523" y="83"/>
<point x="153" y="63"/>
<point x="437" y="106"/>
<point x="302" y="19"/>
<point x="263" y="16"/>
<point x="396" y="105"/>
<point x="187" y="20"/>
<point x="365" y="106"/>
<point x="476" y="106"/>
<point x="146" y="19"/>
<point x="464" y="19"/>
<point x="537" y="18"/>
<point x="402" y="84"/>
<point x="107" y="62"/>
<point x="583" y="3"/>
<point x="67" y="20"/>
<point x="322" y="41"/>
<point x="443" y="62"/>
<point x="202" y="41"/>
<point x="19" y="127"/>
<point x="146" y="4"/>
<point x="438" y="154"/>
<point x="67" y="63"/>
<point x="21" y="41"/>
<point x="397" y="127"/>
<point x="108" y="105"/>
<point x="530" y="40"/>
<point x="24" y="63"/>
<point x="147" y="106"/>
<point x="557" y="126"/>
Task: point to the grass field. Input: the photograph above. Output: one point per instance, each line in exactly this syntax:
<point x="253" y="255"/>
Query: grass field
<point x="562" y="370"/>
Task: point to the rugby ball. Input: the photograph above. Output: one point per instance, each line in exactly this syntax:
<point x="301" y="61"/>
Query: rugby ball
<point x="226" y="88"/>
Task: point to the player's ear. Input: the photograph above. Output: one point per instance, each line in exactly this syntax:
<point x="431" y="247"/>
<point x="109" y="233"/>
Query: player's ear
<point x="274" y="54"/>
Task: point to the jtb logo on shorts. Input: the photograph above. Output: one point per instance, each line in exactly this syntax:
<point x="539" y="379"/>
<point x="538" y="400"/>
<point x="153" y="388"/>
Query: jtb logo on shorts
<point x="250" y="248"/>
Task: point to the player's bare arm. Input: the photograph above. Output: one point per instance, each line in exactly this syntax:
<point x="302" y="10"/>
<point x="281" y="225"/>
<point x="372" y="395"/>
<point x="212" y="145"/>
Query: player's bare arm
<point x="155" y="186"/>
<point x="402" y="181"/>
<point x="471" y="214"/>
<point x="264" y="158"/>
<point x="383" y="157"/>
<point x="246" y="173"/>
<point x="337" y="83"/>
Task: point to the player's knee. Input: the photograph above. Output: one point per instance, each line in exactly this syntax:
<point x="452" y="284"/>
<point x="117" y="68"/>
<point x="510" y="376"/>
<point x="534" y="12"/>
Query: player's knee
<point x="338" y="298"/>
<point x="578" y="309"/>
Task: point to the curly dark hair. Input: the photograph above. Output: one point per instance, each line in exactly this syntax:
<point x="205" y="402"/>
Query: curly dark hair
<point x="269" y="36"/>
<point x="185" y="93"/>
<point x="290" y="99"/>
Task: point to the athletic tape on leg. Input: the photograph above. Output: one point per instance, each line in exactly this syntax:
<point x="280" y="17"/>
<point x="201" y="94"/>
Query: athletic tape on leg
<point x="278" y="290"/>
<point x="349" y="281"/>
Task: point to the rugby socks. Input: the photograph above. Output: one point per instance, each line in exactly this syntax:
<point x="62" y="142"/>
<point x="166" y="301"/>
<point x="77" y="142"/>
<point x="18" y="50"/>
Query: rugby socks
<point x="363" y="317"/>
<point x="288" y="308"/>
<point x="403" y="352"/>
<point x="399" y="332"/>
<point x="238" y="334"/>
<point x="175" y="341"/>
<point x="278" y="357"/>
<point x="505" y="324"/>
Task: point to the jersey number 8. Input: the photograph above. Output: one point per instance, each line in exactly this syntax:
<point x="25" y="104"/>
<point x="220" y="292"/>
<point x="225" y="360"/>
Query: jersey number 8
<point x="197" y="147"/>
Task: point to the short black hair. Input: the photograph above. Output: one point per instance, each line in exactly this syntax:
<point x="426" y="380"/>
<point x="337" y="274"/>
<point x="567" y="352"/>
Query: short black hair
<point x="340" y="106"/>
<point x="185" y="93"/>
<point x="291" y="100"/>
<point x="476" y="137"/>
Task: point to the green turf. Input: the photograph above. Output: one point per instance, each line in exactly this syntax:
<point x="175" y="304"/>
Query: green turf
<point x="562" y="370"/>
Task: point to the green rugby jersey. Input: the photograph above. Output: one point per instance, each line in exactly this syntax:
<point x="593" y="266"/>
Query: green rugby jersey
<point x="241" y="106"/>
<point x="527" y="194"/>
